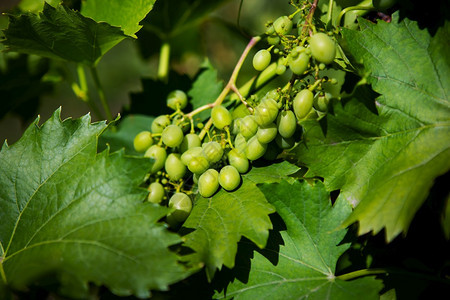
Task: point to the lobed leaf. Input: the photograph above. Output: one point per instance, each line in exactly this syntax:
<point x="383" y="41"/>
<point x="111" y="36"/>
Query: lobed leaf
<point x="79" y="216"/>
<point x="300" y="259"/>
<point x="59" y="32"/>
<point x="384" y="158"/>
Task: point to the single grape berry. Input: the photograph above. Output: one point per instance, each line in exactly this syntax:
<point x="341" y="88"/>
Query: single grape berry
<point x="323" y="48"/>
<point x="321" y="102"/>
<point x="142" y="141"/>
<point x="174" y="167"/>
<point x="299" y="64"/>
<point x="261" y="59"/>
<point x="255" y="149"/>
<point x="285" y="143"/>
<point x="191" y="153"/>
<point x="159" y="123"/>
<point x="267" y="133"/>
<point x="182" y="207"/>
<point x="158" y="154"/>
<point x="282" y="25"/>
<point x="238" y="160"/>
<point x="190" y="140"/>
<point x="221" y="117"/>
<point x="248" y="126"/>
<point x="172" y="136"/>
<point x="287" y="123"/>
<point x="303" y="103"/>
<point x="156" y="192"/>
<point x="240" y="143"/>
<point x="177" y="99"/>
<point x="198" y="165"/>
<point x="266" y="111"/>
<point x="213" y="151"/>
<point x="208" y="183"/>
<point x="229" y="178"/>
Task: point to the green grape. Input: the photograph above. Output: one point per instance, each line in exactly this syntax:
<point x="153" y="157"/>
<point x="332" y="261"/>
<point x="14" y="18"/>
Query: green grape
<point x="266" y="112"/>
<point x="287" y="123"/>
<point x="383" y="5"/>
<point x="285" y="143"/>
<point x="255" y="149"/>
<point x="270" y="30"/>
<point x="221" y="117"/>
<point x="156" y="192"/>
<point x="240" y="111"/>
<point x="172" y="136"/>
<point x="280" y="69"/>
<point x="272" y="94"/>
<point x="178" y="120"/>
<point x="238" y="160"/>
<point x="208" y="183"/>
<point x="177" y="99"/>
<point x="190" y="153"/>
<point x="240" y="143"/>
<point x="248" y="126"/>
<point x="159" y="123"/>
<point x="261" y="59"/>
<point x="212" y="151"/>
<point x="282" y="25"/>
<point x="303" y="103"/>
<point x="321" y="102"/>
<point x="159" y="155"/>
<point x="267" y="133"/>
<point x="273" y="39"/>
<point x="190" y="140"/>
<point x="198" y="165"/>
<point x="175" y="167"/>
<point x="229" y="178"/>
<point x="235" y="126"/>
<point x="298" y="60"/>
<point x="323" y="48"/>
<point x="182" y="207"/>
<point x="142" y="141"/>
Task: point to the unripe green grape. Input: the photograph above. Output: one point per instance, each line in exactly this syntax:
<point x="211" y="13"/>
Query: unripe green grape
<point x="240" y="143"/>
<point x="255" y="149"/>
<point x="287" y="123"/>
<point x="266" y="111"/>
<point x="159" y="123"/>
<point x="273" y="39"/>
<point x="159" y="155"/>
<point x="323" y="48"/>
<point x="208" y="183"/>
<point x="299" y="63"/>
<point x="238" y="160"/>
<point x="261" y="59"/>
<point x="142" y="141"/>
<point x="182" y="205"/>
<point x="198" y="165"/>
<point x="177" y="99"/>
<point x="190" y="153"/>
<point x="172" y="136"/>
<point x="270" y="30"/>
<point x="221" y="117"/>
<point x="235" y="126"/>
<point x="190" y="140"/>
<point x="174" y="167"/>
<point x="303" y="103"/>
<point x="248" y="126"/>
<point x="213" y="151"/>
<point x="321" y="102"/>
<point x="282" y="25"/>
<point x="177" y="120"/>
<point x="272" y="94"/>
<point x="229" y="178"/>
<point x="156" y="192"/>
<point x="285" y="143"/>
<point x="240" y="111"/>
<point x="280" y="69"/>
<point x="267" y="133"/>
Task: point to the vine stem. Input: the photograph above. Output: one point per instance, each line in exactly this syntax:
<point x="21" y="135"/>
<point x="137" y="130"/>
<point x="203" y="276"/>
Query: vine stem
<point x="2" y="272"/>
<point x="101" y="93"/>
<point x="164" y="59"/>
<point x="309" y="17"/>
<point x="351" y="8"/>
<point x="361" y="273"/>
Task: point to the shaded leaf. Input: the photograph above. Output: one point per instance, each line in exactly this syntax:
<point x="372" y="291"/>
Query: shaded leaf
<point x="77" y="215"/>
<point x="386" y="162"/>
<point x="299" y="261"/>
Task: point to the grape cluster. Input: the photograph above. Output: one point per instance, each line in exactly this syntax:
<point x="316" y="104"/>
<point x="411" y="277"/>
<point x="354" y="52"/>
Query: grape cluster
<point x="190" y="158"/>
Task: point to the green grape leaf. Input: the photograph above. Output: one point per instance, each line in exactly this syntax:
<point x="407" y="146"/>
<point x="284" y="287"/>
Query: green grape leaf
<point x="221" y="221"/>
<point x="300" y="258"/>
<point x="205" y="89"/>
<point x="384" y="156"/>
<point x="61" y="33"/>
<point x="123" y="135"/>
<point x="36" y="5"/>
<point x="77" y="215"/>
<point x="123" y="14"/>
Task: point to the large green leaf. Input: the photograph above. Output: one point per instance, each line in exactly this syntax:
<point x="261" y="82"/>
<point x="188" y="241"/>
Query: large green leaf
<point x="221" y="221"/>
<point x="123" y="14"/>
<point x="384" y="157"/>
<point x="61" y="33"/>
<point x="299" y="261"/>
<point x="69" y="212"/>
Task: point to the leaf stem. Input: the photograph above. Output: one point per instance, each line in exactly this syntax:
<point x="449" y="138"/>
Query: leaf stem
<point x="2" y="272"/>
<point x="164" y="60"/>
<point x="330" y="11"/>
<point x="101" y="93"/>
<point x="361" y="273"/>
<point x="308" y="20"/>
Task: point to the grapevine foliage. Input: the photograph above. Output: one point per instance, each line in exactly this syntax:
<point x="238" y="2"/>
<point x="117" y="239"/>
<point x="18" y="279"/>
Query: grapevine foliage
<point x="333" y="123"/>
